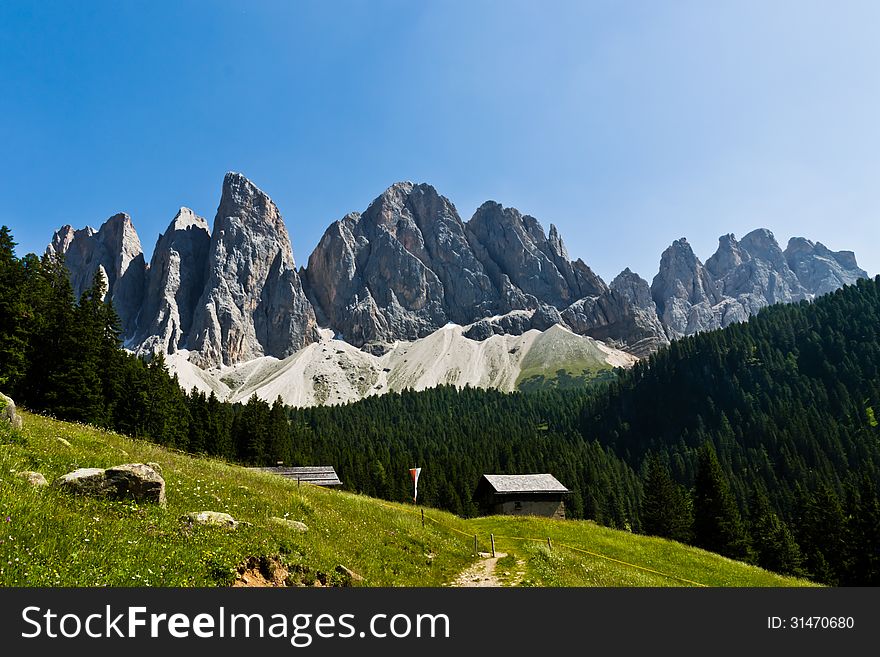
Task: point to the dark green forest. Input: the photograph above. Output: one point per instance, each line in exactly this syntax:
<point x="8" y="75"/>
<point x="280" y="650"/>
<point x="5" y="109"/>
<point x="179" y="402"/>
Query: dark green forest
<point x="759" y="441"/>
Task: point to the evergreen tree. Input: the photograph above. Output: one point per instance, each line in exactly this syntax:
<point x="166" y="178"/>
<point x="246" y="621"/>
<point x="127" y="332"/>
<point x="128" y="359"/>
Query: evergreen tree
<point x="665" y="507"/>
<point x="718" y="526"/>
<point x="864" y="536"/>
<point x="14" y="314"/>
<point x="279" y="448"/>
<point x="774" y="545"/>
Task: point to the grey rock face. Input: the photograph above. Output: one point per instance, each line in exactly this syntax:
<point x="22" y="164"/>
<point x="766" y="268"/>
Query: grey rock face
<point x="515" y="246"/>
<point x="115" y="250"/>
<point x="819" y="269"/>
<point x="400" y="270"/>
<point x="515" y="322"/>
<point x="253" y="303"/>
<point x="406" y="267"/>
<point x="742" y="277"/>
<point x="755" y="267"/>
<point x="625" y="316"/>
<point x="684" y="291"/>
<point x="175" y="282"/>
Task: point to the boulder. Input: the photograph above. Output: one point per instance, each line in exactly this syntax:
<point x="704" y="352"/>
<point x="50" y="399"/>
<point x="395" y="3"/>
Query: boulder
<point x="136" y="481"/>
<point x="211" y="519"/>
<point x="348" y="576"/>
<point x="130" y="481"/>
<point x="33" y="478"/>
<point x="84" y="481"/>
<point x="296" y="525"/>
<point x="7" y="412"/>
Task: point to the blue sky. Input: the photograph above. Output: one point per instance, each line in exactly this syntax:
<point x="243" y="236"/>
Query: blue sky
<point x="627" y="124"/>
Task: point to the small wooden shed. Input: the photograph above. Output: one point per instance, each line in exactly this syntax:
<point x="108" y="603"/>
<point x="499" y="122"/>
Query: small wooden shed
<point x="318" y="475"/>
<point x="521" y="495"/>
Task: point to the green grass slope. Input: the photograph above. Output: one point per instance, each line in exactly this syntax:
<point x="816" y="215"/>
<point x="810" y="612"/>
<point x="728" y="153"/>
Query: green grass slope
<point x="48" y="538"/>
<point x="558" y="358"/>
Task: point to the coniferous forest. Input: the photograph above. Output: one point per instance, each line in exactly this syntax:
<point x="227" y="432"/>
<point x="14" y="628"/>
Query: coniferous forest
<point x="759" y="441"/>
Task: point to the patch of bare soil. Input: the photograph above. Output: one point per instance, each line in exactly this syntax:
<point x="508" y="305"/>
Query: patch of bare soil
<point x="481" y="573"/>
<point x="261" y="572"/>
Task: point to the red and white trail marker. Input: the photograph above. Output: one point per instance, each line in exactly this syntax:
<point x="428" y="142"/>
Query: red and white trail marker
<point x="414" y="473"/>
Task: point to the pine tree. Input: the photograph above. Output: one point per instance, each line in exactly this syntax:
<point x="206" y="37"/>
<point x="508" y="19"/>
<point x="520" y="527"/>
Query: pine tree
<point x="774" y="545"/>
<point x="665" y="507"/>
<point x="718" y="526"/>
<point x="279" y="448"/>
<point x="864" y="535"/>
<point x="14" y="314"/>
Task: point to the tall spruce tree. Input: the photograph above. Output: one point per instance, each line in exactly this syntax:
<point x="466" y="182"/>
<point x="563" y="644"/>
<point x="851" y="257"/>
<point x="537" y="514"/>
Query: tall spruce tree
<point x="14" y="314"/>
<point x="665" y="507"/>
<point x="773" y="542"/>
<point x="718" y="526"/>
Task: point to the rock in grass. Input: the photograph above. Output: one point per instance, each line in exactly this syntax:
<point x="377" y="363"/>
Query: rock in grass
<point x="296" y="525"/>
<point x="138" y="482"/>
<point x="211" y="519"/>
<point x="33" y="478"/>
<point x="7" y="412"/>
<point x="348" y="576"/>
<point x="130" y="481"/>
<point x="64" y="442"/>
<point x="84" y="481"/>
<point x="155" y="466"/>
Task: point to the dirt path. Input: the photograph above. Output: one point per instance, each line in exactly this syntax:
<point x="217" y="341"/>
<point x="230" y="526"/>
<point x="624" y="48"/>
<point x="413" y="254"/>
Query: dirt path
<point x="481" y="573"/>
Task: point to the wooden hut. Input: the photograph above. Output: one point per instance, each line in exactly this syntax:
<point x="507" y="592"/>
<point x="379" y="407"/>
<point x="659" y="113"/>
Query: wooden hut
<point x="521" y="495"/>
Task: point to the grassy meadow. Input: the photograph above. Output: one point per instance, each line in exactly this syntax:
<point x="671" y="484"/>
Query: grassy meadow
<point x="48" y="538"/>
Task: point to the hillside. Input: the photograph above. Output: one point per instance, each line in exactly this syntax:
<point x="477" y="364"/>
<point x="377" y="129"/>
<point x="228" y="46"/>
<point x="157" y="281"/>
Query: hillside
<point x="50" y="539"/>
<point x="788" y="401"/>
<point x="332" y="371"/>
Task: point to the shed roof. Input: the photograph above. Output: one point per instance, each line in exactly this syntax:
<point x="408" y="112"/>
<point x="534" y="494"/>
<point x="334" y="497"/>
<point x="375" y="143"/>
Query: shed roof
<point x="319" y="475"/>
<point x="525" y="483"/>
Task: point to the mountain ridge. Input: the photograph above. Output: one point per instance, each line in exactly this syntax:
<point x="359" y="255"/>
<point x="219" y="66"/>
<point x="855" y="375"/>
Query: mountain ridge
<point x="408" y="266"/>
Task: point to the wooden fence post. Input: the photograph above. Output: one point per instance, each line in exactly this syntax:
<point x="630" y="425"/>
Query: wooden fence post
<point x="423" y="517"/>
<point x="549" y="544"/>
<point x="492" y="539"/>
<point x="476" y="552"/>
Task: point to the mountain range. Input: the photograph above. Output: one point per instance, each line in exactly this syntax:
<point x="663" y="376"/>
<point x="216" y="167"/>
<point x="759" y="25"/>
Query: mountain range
<point x="407" y="267"/>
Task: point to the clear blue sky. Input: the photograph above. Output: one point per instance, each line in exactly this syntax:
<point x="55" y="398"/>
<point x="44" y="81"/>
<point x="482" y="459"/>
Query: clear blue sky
<point x="627" y="124"/>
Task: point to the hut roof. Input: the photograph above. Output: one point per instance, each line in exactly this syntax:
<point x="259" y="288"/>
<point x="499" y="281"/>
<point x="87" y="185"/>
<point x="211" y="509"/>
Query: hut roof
<point x="525" y="483"/>
<point x="319" y="475"/>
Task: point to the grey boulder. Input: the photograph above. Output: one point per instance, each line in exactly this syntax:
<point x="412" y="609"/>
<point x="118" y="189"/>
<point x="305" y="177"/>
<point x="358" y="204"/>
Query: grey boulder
<point x="131" y="481"/>
<point x="211" y="519"/>
<point x="7" y="412"/>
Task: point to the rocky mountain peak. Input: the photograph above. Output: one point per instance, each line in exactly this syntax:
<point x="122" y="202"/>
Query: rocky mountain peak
<point x="253" y="303"/>
<point x="175" y="281"/>
<point x="114" y="249"/>
<point x="728" y="257"/>
<point x="406" y="267"/>
<point x="61" y="240"/>
<point x="819" y="269"/>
